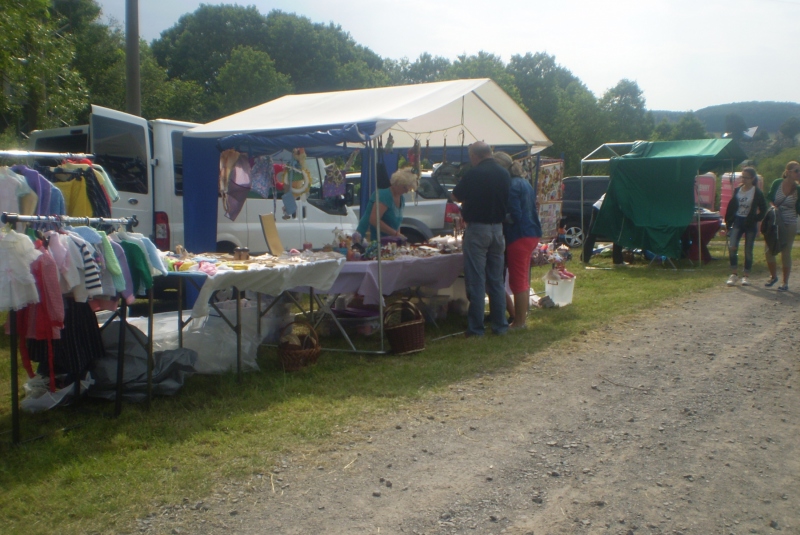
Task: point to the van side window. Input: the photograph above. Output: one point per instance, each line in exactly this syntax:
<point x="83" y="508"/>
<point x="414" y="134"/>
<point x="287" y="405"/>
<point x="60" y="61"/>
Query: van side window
<point x="177" y="160"/>
<point x="69" y="143"/>
<point x="126" y="142"/>
<point x="313" y="166"/>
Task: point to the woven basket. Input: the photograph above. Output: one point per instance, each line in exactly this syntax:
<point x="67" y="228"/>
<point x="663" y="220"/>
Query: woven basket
<point x="293" y="355"/>
<point x="404" y="336"/>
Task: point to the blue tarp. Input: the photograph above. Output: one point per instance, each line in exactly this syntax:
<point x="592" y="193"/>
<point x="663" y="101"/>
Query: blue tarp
<point x="267" y="144"/>
<point x="200" y="176"/>
<point x="201" y="173"/>
<point x="390" y="160"/>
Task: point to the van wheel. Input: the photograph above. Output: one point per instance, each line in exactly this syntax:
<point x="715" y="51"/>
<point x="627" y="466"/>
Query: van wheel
<point x="574" y="237"/>
<point x="412" y="235"/>
<point x="225" y="247"/>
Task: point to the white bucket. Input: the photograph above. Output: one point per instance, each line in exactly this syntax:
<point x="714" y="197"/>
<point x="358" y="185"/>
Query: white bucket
<point x="560" y="291"/>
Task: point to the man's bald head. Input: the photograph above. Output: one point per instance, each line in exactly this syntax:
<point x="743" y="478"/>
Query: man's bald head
<point x="479" y="151"/>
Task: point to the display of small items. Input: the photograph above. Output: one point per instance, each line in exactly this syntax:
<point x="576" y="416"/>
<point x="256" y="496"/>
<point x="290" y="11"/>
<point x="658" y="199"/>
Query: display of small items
<point x="557" y="258"/>
<point x="356" y="247"/>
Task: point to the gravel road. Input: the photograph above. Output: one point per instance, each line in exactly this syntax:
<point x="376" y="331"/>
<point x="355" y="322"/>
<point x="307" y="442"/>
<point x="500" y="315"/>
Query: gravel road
<point x="683" y="421"/>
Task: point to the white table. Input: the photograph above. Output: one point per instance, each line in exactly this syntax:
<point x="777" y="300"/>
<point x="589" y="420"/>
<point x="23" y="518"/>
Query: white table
<point x="317" y="273"/>
<point x="437" y="272"/>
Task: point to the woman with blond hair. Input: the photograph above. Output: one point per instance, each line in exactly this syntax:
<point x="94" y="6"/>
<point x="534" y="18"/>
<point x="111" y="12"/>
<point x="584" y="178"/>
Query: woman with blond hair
<point x="389" y="211"/>
<point x="522" y="231"/>
<point x="783" y="195"/>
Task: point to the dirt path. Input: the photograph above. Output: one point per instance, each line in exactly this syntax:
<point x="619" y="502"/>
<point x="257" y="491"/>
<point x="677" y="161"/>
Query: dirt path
<point x="685" y="421"/>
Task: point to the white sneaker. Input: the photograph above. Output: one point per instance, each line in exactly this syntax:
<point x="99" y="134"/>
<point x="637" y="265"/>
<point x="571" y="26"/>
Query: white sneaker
<point x="745" y="282"/>
<point x="732" y="280"/>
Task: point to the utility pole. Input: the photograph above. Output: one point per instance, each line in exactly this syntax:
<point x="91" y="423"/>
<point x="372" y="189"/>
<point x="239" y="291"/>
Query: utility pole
<point x="133" y="90"/>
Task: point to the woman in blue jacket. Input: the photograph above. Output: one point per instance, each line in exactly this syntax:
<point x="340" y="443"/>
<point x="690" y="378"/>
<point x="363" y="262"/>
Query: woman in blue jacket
<point x="522" y="231"/>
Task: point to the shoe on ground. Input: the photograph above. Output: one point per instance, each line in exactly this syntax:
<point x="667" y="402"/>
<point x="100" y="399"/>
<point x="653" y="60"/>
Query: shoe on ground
<point x="784" y="288"/>
<point x="770" y="283"/>
<point x="732" y="280"/>
<point x="745" y="281"/>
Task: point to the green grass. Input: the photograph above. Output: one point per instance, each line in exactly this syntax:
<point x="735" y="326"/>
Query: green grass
<point x="101" y="473"/>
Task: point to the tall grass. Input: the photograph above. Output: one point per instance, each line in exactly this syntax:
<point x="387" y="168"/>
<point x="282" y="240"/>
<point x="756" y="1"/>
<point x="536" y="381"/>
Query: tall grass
<point x="91" y="473"/>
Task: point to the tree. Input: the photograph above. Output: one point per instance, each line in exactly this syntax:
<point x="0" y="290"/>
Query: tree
<point x="626" y="114"/>
<point x="689" y="127"/>
<point x="165" y="98"/>
<point x="485" y="65"/>
<point x="663" y="131"/>
<point x="42" y="89"/>
<point x="99" y="53"/>
<point x="579" y="127"/>
<point x="358" y="75"/>
<point x="313" y="53"/>
<point x="425" y="69"/>
<point x="248" y="79"/>
<point x="200" y="43"/>
<point x="791" y="127"/>
<point x="428" y="68"/>
<point x="540" y="80"/>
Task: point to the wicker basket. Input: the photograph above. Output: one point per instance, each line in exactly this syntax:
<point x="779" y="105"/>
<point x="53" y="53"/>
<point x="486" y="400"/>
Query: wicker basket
<point x="404" y="336"/>
<point x="294" y="355"/>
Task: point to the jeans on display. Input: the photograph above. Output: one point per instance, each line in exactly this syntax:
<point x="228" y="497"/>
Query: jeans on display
<point x="483" y="248"/>
<point x="734" y="236"/>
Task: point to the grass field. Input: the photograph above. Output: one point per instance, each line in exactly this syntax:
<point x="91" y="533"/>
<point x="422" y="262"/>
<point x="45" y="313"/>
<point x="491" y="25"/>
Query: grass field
<point x="90" y="473"/>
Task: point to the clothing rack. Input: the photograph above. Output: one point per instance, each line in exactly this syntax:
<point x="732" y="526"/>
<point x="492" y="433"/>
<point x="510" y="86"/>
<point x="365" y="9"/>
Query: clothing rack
<point x="55" y="155"/>
<point x="129" y="222"/>
<point x="121" y="311"/>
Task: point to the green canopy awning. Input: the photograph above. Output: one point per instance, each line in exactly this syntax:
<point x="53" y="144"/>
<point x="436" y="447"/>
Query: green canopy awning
<point x="650" y="200"/>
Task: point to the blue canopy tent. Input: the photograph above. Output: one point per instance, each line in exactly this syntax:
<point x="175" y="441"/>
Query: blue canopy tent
<point x="455" y="112"/>
<point x="463" y="110"/>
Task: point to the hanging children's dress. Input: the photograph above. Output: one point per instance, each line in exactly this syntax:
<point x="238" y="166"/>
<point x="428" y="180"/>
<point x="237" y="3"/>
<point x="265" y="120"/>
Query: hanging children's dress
<point x="17" y="285"/>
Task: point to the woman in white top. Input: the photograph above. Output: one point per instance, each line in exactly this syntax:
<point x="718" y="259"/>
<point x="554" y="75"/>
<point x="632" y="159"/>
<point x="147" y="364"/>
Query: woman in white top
<point x="746" y="209"/>
<point x="783" y="195"/>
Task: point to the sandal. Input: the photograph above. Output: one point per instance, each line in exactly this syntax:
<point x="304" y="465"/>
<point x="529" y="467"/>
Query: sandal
<point x="784" y="288"/>
<point x="770" y="283"/>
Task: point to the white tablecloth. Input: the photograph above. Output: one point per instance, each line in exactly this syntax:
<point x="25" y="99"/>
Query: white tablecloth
<point x="437" y="272"/>
<point x="320" y="275"/>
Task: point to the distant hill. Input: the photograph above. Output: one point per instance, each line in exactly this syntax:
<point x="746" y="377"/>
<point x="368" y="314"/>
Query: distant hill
<point x="767" y="116"/>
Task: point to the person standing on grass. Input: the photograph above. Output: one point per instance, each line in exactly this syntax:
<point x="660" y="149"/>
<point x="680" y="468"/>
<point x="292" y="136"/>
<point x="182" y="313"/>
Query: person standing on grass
<point x="747" y="207"/>
<point x="522" y="231"/>
<point x="483" y="193"/>
<point x="783" y="195"/>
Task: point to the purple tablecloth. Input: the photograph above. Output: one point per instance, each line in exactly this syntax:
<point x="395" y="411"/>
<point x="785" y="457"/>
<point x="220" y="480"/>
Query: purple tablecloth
<point x="435" y="272"/>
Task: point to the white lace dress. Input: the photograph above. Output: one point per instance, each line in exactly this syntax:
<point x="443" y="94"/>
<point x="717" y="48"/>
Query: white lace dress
<point x="17" y="285"/>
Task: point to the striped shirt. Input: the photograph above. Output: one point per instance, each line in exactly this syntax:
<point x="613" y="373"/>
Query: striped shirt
<point x="787" y="206"/>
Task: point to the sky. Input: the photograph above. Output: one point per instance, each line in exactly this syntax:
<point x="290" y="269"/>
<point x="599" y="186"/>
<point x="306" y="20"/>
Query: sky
<point x="684" y="54"/>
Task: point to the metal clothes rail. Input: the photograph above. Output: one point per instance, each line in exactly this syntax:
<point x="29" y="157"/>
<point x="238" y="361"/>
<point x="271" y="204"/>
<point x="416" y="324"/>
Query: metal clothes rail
<point x="21" y="154"/>
<point x="128" y="222"/>
<point x="121" y="311"/>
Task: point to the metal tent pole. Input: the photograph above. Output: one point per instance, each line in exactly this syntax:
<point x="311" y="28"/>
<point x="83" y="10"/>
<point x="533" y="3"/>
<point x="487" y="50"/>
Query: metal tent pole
<point x="374" y="171"/>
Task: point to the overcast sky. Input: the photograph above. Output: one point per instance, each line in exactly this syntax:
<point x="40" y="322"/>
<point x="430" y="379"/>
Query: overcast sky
<point x="684" y="54"/>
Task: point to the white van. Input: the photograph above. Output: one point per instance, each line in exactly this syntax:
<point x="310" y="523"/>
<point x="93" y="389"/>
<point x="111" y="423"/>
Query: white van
<point x="145" y="161"/>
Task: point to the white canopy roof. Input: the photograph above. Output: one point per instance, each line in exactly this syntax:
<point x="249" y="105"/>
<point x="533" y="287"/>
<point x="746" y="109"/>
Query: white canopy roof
<point x="432" y="113"/>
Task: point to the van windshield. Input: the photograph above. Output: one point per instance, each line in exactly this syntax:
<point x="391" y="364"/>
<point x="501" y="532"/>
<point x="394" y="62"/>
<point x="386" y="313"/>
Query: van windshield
<point x="126" y="142"/>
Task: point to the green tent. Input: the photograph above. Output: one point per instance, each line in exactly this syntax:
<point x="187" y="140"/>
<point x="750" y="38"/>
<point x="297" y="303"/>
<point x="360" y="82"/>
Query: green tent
<point x="650" y="200"/>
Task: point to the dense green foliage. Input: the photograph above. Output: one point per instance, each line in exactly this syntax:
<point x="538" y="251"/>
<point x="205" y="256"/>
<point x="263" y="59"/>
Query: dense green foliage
<point x="58" y="58"/>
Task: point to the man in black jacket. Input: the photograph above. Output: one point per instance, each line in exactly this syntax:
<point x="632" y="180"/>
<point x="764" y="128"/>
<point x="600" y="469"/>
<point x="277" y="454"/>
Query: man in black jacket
<point x="483" y="193"/>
